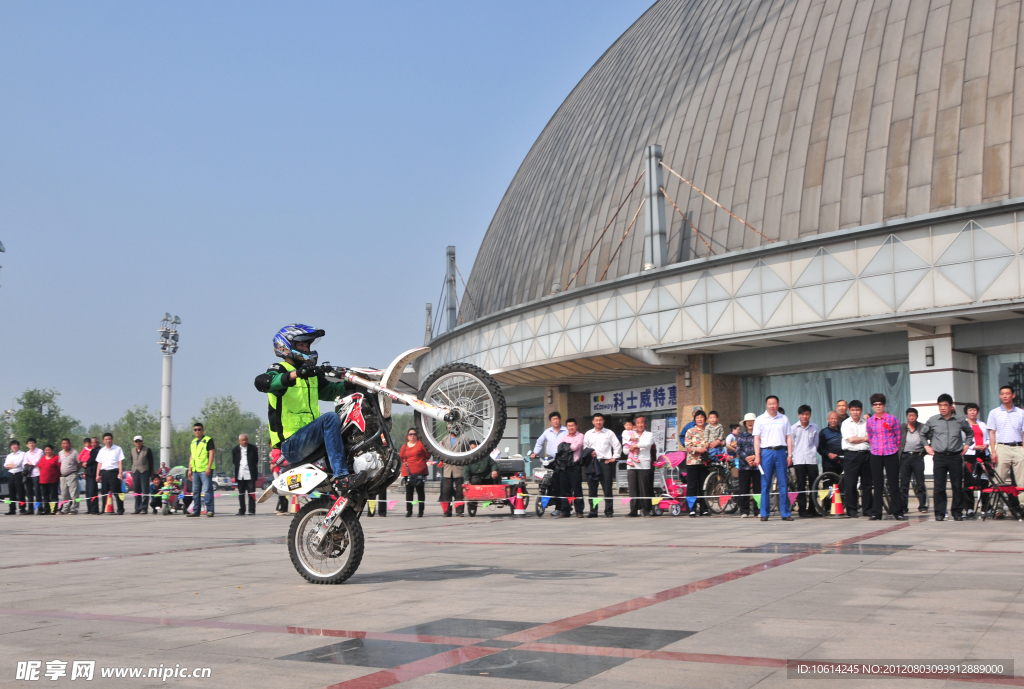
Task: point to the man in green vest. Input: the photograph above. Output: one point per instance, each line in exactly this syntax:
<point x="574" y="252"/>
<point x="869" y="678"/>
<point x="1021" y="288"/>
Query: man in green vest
<point x="200" y="470"/>
<point x="294" y="388"/>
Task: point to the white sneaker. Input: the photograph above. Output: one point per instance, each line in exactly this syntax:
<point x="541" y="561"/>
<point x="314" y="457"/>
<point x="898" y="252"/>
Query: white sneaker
<point x="744" y="516"/>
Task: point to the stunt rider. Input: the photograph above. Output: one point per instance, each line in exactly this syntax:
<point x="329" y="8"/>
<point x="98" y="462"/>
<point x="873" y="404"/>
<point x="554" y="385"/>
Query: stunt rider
<point x="294" y="388"/>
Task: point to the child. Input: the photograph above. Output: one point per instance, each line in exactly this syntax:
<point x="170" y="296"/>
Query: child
<point x="629" y="436"/>
<point x="730" y="443"/>
<point x="155" y="492"/>
<point x="715" y="436"/>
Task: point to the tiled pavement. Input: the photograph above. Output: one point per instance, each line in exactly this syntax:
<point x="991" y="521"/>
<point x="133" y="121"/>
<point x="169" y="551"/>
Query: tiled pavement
<point x="499" y="603"/>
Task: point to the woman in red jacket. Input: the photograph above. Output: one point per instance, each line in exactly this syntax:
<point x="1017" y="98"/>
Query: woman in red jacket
<point x="49" y="481"/>
<point x="414" y="468"/>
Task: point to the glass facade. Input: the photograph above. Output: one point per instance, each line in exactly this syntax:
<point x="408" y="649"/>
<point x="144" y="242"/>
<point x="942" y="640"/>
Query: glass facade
<point x="821" y="390"/>
<point x="995" y="371"/>
<point x="531" y="424"/>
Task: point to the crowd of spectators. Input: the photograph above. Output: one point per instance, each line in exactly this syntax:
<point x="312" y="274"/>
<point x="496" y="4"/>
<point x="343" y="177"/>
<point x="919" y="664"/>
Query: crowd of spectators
<point x="44" y="482"/>
<point x="878" y="455"/>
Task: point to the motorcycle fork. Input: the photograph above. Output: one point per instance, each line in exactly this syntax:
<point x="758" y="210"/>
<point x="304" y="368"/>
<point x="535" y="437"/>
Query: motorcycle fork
<point x="332" y="518"/>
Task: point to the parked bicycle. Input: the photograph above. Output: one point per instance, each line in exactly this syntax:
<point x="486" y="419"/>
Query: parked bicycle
<point x="723" y="479"/>
<point x="831" y="482"/>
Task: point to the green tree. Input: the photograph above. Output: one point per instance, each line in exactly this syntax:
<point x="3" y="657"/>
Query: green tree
<point x="96" y="430"/>
<point x="224" y="420"/>
<point x="6" y="431"/>
<point x="400" y="425"/>
<point x="138" y="420"/>
<point x="41" y="418"/>
<point x="180" y="440"/>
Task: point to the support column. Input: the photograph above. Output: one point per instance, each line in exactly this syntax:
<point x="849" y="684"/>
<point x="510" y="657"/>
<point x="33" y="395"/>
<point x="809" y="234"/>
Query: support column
<point x="579" y="408"/>
<point x="574" y="405"/>
<point x="937" y="368"/>
<point x="165" y="413"/>
<point x="556" y="398"/>
<point x="452" y="298"/>
<point x="655" y="244"/>
<point x="707" y="390"/>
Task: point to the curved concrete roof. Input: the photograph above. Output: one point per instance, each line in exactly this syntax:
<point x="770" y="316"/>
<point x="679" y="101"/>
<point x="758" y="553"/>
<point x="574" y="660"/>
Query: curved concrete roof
<point x="801" y="116"/>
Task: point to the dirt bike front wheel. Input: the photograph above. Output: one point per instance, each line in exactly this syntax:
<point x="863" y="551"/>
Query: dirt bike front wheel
<point x="338" y="558"/>
<point x="479" y="406"/>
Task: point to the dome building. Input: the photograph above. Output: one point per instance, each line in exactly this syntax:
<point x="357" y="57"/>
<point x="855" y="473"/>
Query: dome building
<point x="817" y="199"/>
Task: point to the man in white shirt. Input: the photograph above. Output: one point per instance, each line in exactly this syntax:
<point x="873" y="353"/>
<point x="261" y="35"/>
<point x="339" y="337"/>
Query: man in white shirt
<point x="246" y="460"/>
<point x="109" y="472"/>
<point x="1006" y="432"/>
<point x="607" y="448"/>
<point x="30" y="476"/>
<point x="640" y="476"/>
<point x="805" y="459"/>
<point x="548" y="443"/>
<point x="773" y="452"/>
<point x="15" y="465"/>
<point x="856" y="460"/>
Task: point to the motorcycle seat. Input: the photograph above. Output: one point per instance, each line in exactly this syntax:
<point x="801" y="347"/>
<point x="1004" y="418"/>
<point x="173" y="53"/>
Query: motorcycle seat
<point x="314" y="456"/>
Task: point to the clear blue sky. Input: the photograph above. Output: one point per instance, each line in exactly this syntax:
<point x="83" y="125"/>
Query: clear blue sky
<point x="247" y="165"/>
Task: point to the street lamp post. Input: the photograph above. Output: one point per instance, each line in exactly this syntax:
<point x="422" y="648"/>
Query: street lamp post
<point x="168" y="345"/>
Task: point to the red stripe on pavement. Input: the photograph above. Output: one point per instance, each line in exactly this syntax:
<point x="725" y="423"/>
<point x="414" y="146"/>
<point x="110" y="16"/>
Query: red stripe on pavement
<point x="606" y="651"/>
<point x="564" y="625"/>
<point x="243" y="626"/>
<point x="654" y="655"/>
<point x="403" y="673"/>
<point x="559" y="626"/>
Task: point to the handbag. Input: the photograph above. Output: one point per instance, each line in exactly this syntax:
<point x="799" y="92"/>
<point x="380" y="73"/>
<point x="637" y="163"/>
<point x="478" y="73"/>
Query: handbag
<point x="412" y="480"/>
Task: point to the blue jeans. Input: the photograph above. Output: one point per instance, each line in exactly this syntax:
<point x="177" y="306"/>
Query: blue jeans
<point x="201" y="483"/>
<point x="325" y="430"/>
<point x="774" y="463"/>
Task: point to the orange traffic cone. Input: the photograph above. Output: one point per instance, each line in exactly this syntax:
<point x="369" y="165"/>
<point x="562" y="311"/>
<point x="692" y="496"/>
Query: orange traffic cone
<point x="518" y="506"/>
<point x="837" y="501"/>
<point x="110" y="503"/>
<point x="293" y="506"/>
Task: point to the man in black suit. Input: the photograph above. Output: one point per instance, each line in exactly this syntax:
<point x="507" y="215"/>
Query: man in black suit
<point x="246" y="460"/>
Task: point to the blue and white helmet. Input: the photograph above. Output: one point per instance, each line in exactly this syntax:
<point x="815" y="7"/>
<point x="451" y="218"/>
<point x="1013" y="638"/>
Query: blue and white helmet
<point x="290" y="335"/>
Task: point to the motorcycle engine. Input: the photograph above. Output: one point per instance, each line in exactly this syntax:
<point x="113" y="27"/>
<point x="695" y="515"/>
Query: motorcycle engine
<point x="370" y="462"/>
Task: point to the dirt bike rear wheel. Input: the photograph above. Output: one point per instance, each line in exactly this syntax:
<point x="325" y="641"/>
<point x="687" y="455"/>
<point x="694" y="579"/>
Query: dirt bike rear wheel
<point x="345" y="554"/>
<point x="481" y="405"/>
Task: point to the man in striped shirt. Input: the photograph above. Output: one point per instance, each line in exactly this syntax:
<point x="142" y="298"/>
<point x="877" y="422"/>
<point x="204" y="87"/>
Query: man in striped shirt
<point x="1006" y="431"/>
<point x="884" y="438"/>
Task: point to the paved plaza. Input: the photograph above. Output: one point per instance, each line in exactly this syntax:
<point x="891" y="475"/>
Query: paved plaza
<point x="490" y="602"/>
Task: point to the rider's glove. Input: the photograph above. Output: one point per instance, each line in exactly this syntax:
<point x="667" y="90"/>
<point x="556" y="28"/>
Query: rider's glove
<point x="307" y="370"/>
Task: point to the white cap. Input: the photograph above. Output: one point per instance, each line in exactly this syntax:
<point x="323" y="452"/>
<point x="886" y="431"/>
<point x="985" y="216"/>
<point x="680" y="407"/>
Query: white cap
<point x="750" y="416"/>
<point x="138" y="437"/>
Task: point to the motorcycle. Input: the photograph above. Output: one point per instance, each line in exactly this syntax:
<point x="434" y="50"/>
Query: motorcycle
<point x="456" y="405"/>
